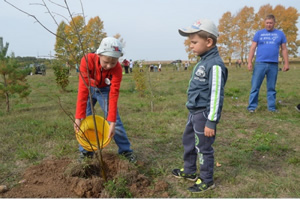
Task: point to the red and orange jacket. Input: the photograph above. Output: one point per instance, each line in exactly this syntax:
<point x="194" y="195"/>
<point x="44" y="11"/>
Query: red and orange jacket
<point x="94" y="72"/>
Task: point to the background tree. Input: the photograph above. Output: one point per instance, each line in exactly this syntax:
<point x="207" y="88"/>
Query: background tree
<point x="62" y="49"/>
<point x="75" y="38"/>
<point x="74" y="32"/>
<point x="12" y="78"/>
<point x="286" y="20"/>
<point x="94" y="33"/>
<point x="226" y="36"/>
<point x="243" y="31"/>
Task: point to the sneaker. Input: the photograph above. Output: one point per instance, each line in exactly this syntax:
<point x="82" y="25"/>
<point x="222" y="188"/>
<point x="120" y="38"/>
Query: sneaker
<point x="251" y="111"/>
<point x="200" y="187"/>
<point x="298" y="107"/>
<point x="274" y="111"/>
<point x="130" y="156"/>
<point x="179" y="173"/>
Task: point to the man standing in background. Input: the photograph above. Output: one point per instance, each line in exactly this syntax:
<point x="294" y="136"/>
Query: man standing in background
<point x="267" y="41"/>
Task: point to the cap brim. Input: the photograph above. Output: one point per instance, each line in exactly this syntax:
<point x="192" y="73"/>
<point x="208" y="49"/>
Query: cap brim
<point x="187" y="31"/>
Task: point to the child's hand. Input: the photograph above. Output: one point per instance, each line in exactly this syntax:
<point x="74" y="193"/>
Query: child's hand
<point x="208" y="132"/>
<point x="77" y="124"/>
<point x="112" y="126"/>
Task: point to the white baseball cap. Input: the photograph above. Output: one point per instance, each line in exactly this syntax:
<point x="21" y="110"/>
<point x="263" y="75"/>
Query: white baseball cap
<point x="111" y="47"/>
<point x="202" y="24"/>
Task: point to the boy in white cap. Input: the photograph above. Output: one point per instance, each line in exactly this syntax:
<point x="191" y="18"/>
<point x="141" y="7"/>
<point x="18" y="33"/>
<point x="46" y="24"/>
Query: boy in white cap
<point x="205" y="101"/>
<point x="103" y="72"/>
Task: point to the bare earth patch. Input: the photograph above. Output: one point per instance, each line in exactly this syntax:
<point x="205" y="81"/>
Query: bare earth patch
<point x="56" y="178"/>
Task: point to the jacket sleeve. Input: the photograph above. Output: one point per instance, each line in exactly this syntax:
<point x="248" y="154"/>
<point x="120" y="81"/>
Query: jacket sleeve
<point x="87" y="65"/>
<point x="114" y="93"/>
<point x="215" y="101"/>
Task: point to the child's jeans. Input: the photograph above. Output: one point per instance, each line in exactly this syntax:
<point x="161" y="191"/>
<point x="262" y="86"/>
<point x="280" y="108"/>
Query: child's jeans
<point x="121" y="139"/>
<point x="196" y="143"/>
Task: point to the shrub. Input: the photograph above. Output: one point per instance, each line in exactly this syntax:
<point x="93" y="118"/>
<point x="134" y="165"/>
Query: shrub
<point x="61" y="73"/>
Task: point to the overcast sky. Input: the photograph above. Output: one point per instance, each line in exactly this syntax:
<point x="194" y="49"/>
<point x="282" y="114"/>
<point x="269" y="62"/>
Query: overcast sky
<point x="149" y="27"/>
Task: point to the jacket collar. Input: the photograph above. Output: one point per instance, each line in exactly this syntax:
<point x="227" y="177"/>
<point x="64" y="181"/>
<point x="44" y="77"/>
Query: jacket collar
<point x="211" y="52"/>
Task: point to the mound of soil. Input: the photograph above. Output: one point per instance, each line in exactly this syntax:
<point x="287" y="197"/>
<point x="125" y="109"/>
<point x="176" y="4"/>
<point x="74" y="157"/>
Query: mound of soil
<point x="63" y="178"/>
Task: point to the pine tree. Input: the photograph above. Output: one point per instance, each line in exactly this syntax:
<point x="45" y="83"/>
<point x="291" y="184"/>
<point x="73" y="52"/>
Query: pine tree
<point x="12" y="78"/>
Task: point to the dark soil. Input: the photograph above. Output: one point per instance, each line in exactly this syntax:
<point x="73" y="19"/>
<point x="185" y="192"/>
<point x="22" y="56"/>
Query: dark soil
<point x="63" y="178"/>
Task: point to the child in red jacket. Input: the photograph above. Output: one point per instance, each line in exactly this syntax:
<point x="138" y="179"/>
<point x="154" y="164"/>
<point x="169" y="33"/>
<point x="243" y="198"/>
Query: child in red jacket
<point x="103" y="72"/>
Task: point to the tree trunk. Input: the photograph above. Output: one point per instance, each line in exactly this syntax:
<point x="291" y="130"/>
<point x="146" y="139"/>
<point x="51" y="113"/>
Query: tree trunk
<point x="7" y="101"/>
<point x="6" y="94"/>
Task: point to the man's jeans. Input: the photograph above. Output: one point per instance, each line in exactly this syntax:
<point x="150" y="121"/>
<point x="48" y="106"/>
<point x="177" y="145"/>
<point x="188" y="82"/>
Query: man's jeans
<point x="121" y="139"/>
<point x="262" y="69"/>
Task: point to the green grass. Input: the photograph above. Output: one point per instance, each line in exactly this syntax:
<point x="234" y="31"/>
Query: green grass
<point x="117" y="188"/>
<point x="259" y="153"/>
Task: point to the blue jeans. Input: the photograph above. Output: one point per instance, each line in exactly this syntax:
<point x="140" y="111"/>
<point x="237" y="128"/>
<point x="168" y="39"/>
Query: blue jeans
<point x="262" y="69"/>
<point x="120" y="137"/>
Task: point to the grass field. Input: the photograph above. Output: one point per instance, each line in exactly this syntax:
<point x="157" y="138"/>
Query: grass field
<point x="259" y="153"/>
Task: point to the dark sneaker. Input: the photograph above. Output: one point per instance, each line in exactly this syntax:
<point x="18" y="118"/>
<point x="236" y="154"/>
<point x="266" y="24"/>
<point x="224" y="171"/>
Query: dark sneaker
<point x="179" y="173"/>
<point x="130" y="156"/>
<point x="298" y="107"/>
<point x="200" y="187"/>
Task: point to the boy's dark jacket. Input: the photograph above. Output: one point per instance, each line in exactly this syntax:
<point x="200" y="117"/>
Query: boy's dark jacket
<point x="206" y="87"/>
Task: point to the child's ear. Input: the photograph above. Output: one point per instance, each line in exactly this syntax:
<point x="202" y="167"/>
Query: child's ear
<point x="209" y="42"/>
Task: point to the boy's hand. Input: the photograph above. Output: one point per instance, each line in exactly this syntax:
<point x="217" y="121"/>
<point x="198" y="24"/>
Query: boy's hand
<point x="208" y="132"/>
<point x="112" y="126"/>
<point x="77" y="124"/>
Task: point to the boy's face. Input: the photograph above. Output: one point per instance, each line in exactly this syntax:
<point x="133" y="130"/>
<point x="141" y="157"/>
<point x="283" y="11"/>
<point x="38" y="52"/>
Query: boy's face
<point x="199" y="45"/>
<point x="108" y="62"/>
